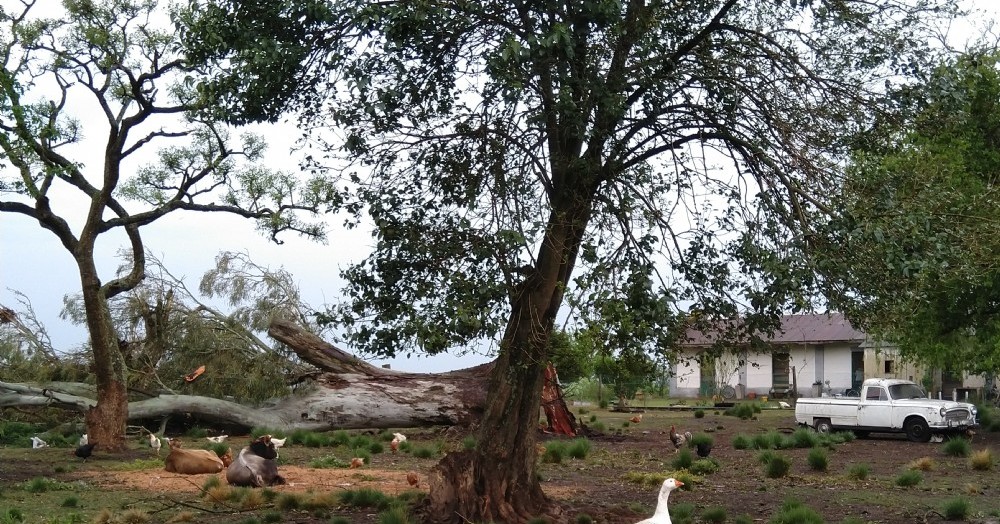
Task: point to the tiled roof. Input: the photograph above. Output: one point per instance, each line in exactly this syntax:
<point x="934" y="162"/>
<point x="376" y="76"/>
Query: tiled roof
<point x="797" y="329"/>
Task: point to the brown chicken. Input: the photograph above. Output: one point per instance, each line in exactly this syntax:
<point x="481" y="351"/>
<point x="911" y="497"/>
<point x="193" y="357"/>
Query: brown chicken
<point x="678" y="439"/>
<point x="636" y="419"/>
<point x="357" y="462"/>
<point x="413" y="479"/>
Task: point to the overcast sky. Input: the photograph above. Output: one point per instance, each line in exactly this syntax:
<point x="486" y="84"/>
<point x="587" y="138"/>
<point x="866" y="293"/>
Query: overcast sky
<point x="35" y="264"/>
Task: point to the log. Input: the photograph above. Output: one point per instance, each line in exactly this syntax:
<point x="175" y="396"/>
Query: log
<point x="346" y="393"/>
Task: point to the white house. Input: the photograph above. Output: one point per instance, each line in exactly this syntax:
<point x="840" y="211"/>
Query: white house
<point x="814" y="354"/>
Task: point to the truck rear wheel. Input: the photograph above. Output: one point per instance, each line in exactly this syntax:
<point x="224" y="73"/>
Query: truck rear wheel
<point x="917" y="429"/>
<point x="822" y="425"/>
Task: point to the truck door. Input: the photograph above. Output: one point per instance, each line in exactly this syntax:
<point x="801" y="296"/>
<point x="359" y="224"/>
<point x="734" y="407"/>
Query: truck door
<point x="875" y="410"/>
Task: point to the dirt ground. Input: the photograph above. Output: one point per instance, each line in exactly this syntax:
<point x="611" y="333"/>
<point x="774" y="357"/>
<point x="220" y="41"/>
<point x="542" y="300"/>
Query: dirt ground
<point x="599" y="485"/>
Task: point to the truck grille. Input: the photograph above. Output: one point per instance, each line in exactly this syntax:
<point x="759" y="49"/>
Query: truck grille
<point x="959" y="416"/>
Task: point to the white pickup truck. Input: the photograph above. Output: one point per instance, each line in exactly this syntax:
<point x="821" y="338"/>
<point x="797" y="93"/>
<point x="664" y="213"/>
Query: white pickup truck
<point x="887" y="406"/>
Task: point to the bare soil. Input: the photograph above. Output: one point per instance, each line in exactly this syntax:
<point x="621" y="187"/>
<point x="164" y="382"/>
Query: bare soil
<point x="598" y="486"/>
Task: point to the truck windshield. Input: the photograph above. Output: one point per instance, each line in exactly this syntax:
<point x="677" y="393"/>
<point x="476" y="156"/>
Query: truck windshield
<point x="900" y="391"/>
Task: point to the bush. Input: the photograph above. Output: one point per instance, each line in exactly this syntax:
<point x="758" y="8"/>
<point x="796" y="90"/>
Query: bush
<point x="794" y="512"/>
<point x="859" y="471"/>
<point x="909" y="478"/>
<point x="817" y="459"/>
<point x="555" y="452"/>
<point x="593" y="418"/>
<point x="742" y="410"/>
<point x="956" y="509"/>
<point x="922" y="464"/>
<point x="714" y="515"/>
<point x="699" y="413"/>
<point x="702" y="439"/>
<point x="704" y="467"/>
<point x="394" y="515"/>
<point x="957" y="447"/>
<point x="365" y="498"/>
<point x="981" y="460"/>
<point x="578" y="448"/>
<point x="743" y="519"/>
<point x="682" y="513"/>
<point x="424" y="452"/>
<point x="778" y="467"/>
<point x="683" y="459"/>
<point x="583" y="518"/>
<point x="805" y="438"/>
<point x="603" y="403"/>
<point x="741" y="442"/>
<point x="469" y="443"/>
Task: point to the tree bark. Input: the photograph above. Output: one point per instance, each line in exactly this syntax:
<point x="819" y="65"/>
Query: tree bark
<point x="560" y="419"/>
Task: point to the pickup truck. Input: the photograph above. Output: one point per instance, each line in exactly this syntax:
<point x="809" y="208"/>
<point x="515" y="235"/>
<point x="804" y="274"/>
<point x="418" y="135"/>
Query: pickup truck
<point x="887" y="406"/>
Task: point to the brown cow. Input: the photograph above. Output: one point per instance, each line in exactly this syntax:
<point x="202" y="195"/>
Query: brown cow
<point x="255" y="465"/>
<point x="195" y="461"/>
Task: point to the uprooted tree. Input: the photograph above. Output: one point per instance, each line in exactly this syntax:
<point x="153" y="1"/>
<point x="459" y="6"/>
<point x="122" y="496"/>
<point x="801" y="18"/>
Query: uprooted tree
<point x="511" y="153"/>
<point x="85" y="96"/>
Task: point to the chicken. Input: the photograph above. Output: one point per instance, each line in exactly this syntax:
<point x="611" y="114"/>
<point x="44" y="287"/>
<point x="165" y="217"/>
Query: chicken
<point x="703" y="449"/>
<point x="394" y="445"/>
<point x="636" y="419"/>
<point x="413" y="479"/>
<point x="37" y="443"/>
<point x="278" y="442"/>
<point x="85" y="451"/>
<point x="155" y="443"/>
<point x="679" y="439"/>
<point x="399" y="436"/>
<point x="83" y="440"/>
<point x="397" y="439"/>
<point x="357" y="462"/>
<point x="218" y="439"/>
<point x="784" y="405"/>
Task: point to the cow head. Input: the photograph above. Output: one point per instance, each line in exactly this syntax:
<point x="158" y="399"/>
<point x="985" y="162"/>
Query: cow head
<point x="263" y="447"/>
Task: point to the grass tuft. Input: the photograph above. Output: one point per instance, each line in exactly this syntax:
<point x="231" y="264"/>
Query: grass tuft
<point x="817" y="459"/>
<point x="981" y="460"/>
<point x="957" y="447"/>
<point x="909" y="478"/>
<point x="956" y="508"/>
<point x="922" y="464"/>
<point x="859" y="471"/>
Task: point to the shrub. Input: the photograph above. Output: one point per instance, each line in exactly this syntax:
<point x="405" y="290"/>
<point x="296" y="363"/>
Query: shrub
<point x="469" y="443"/>
<point x="922" y="464"/>
<point x="210" y="483"/>
<point x="741" y="441"/>
<point x="817" y="459"/>
<point x="909" y="478"/>
<point x="743" y="519"/>
<point x="805" y="438"/>
<point x="683" y="459"/>
<point x="702" y="439"/>
<point x="340" y="438"/>
<point x="682" y="513"/>
<point x="859" y="471"/>
<point x="956" y="509"/>
<point x="699" y="413"/>
<point x="603" y="403"/>
<point x="288" y="502"/>
<point x="766" y="456"/>
<point x="794" y="512"/>
<point x="196" y="432"/>
<point x="365" y="498"/>
<point x="704" y="467"/>
<point x="327" y="462"/>
<point x="598" y="426"/>
<point x="981" y="460"/>
<point x="70" y="502"/>
<point x="583" y="518"/>
<point x="583" y="411"/>
<point x="220" y="448"/>
<point x="778" y="467"/>
<point x="578" y="448"/>
<point x="593" y="418"/>
<point x="957" y="447"/>
<point x="742" y="410"/>
<point x="394" y="515"/>
<point x="555" y="452"/>
<point x="714" y="515"/>
<point x="424" y="452"/>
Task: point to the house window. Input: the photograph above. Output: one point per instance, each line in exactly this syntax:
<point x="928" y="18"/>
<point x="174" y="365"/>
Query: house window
<point x="889" y="367"/>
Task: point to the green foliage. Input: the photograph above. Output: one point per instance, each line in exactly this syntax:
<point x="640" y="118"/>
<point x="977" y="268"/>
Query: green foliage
<point x="702" y="439"/>
<point x="714" y="515"/>
<point x="743" y="519"/>
<point x="583" y="518"/>
<point x="683" y="459"/>
<point x="909" y="478"/>
<point x="328" y="462"/>
<point x="71" y="501"/>
<point x="572" y="356"/>
<point x="742" y="410"/>
<point x="742" y="441"/>
<point x="778" y="466"/>
<point x="704" y="466"/>
<point x="426" y="452"/>
<point x="699" y="413"/>
<point x="794" y="512"/>
<point x="365" y="498"/>
<point x="469" y="442"/>
<point x="957" y="447"/>
<point x="394" y="515"/>
<point x="578" y="448"/>
<point x="682" y="513"/>
<point x="555" y="451"/>
<point x="817" y="459"/>
<point x="956" y="508"/>
<point x="859" y="471"/>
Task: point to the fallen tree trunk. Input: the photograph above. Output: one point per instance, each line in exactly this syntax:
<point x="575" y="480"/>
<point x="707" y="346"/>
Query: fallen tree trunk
<point x="345" y="393"/>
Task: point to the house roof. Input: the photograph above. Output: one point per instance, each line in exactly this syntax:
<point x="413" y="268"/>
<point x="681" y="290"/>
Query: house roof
<point x="818" y="328"/>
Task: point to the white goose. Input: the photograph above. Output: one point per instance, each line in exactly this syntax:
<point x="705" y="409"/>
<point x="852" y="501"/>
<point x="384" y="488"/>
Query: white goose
<point x="662" y="514"/>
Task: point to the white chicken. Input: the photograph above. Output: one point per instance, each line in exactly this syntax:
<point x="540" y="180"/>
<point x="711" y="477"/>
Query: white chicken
<point x="155" y="443"/>
<point x="662" y="514"/>
<point x="218" y="439"/>
<point x="784" y="405"/>
<point x="37" y="443"/>
<point x="397" y="439"/>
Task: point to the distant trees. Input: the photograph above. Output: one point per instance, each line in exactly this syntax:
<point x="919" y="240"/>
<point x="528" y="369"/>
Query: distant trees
<point x="100" y="136"/>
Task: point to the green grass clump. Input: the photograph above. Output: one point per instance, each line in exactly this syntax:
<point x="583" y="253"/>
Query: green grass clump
<point x="702" y="439"/>
<point x="288" y="501"/>
<point x="922" y="464"/>
<point x="909" y="478"/>
<point x="714" y="515"/>
<point x="704" y="466"/>
<point x="394" y="515"/>
<point x="583" y="518"/>
<point x="138" y="465"/>
<point x="766" y="456"/>
<point x="18" y="434"/>
<point x="683" y="459"/>
<point x="794" y="512"/>
<point x="598" y="426"/>
<point x="578" y="448"/>
<point x="555" y="452"/>
<point x="741" y="441"/>
<point x="365" y="498"/>
<point x="196" y="432"/>
<point x="699" y="413"/>
<point x="743" y="519"/>
<point x="71" y="501"/>
<point x="859" y="471"/>
<point x="469" y="443"/>
<point x="805" y="438"/>
<point x="211" y="482"/>
<point x="340" y="438"/>
<point x="742" y="410"/>
<point x="328" y="462"/>
<point x="44" y="484"/>
<point x="817" y="459"/>
<point x="778" y="467"/>
<point x="981" y="460"/>
<point x="957" y="447"/>
<point x="956" y="509"/>
<point x="682" y="513"/>
<point x="593" y="418"/>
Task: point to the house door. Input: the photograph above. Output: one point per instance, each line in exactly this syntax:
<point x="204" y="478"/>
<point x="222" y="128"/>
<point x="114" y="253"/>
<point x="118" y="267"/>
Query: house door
<point x="707" y="387"/>
<point x="779" y="373"/>
<point x="950" y="381"/>
<point x="857" y="369"/>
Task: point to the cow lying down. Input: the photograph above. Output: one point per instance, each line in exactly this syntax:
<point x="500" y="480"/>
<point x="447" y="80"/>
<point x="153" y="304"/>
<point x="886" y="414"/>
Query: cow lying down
<point x="195" y="461"/>
<point x="255" y="465"/>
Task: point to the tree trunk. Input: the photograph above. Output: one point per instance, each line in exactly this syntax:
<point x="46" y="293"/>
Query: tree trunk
<point x="560" y="418"/>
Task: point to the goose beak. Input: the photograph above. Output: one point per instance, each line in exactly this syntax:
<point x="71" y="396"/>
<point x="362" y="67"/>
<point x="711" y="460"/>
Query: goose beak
<point x="679" y="483"/>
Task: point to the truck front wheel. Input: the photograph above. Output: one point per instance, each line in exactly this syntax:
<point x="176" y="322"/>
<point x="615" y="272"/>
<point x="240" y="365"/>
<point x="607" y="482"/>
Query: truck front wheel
<point x="917" y="429"/>
<point x="822" y="425"/>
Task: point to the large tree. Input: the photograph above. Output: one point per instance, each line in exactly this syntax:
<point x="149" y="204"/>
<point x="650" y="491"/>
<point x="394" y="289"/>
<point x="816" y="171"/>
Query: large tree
<point x="509" y="153"/>
<point x="916" y="226"/>
<point x="99" y="138"/>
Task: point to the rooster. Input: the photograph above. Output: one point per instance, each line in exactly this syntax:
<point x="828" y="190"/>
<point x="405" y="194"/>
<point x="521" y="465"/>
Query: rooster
<point x="636" y="419"/>
<point x="679" y="439"/>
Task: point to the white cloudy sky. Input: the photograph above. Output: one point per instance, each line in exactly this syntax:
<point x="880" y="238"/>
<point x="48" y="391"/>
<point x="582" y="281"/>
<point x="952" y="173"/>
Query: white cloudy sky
<point x="35" y="264"/>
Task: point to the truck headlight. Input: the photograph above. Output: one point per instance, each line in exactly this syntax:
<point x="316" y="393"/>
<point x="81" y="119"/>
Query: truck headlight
<point x="974" y="411"/>
<point x="942" y="411"/>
